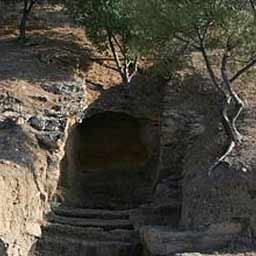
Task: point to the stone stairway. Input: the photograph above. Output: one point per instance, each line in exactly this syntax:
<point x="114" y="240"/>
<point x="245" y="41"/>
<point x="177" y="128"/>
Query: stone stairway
<point x="88" y="232"/>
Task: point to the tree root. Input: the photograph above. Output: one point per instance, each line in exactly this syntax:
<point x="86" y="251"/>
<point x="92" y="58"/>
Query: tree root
<point x="222" y="158"/>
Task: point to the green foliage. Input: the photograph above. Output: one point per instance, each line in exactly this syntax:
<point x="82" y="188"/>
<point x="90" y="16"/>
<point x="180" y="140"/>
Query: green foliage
<point x="101" y="16"/>
<point x="222" y="24"/>
<point x="168" y="30"/>
<point x="109" y="25"/>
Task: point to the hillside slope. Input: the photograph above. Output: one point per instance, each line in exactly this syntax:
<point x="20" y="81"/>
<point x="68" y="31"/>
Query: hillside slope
<point x="55" y="86"/>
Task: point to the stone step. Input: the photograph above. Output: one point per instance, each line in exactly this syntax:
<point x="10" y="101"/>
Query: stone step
<point x="49" y="246"/>
<point x="173" y="178"/>
<point x="101" y="223"/>
<point x="164" y="241"/>
<point x="89" y="233"/>
<point x="92" y="213"/>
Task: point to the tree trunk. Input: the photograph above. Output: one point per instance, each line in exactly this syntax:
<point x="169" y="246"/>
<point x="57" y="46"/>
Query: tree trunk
<point x="23" y="23"/>
<point x="123" y="67"/>
<point x="120" y="69"/>
<point x="132" y="70"/>
<point x="233" y="97"/>
<point x="230" y="97"/>
<point x="229" y="121"/>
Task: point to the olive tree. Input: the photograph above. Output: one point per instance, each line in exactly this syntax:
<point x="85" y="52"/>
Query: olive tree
<point x="222" y="28"/>
<point x="109" y="26"/>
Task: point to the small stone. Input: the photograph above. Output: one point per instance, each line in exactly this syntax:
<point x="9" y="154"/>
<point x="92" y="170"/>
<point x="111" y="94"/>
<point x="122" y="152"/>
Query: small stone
<point x="37" y="122"/>
<point x="244" y="169"/>
<point x="49" y="141"/>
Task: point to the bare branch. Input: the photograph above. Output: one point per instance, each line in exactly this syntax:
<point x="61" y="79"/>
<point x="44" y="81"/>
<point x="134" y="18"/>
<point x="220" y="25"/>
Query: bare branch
<point x="207" y="62"/>
<point x="205" y="31"/>
<point x="115" y="55"/>
<point x="239" y="103"/>
<point x="228" y="122"/>
<point x="224" y="72"/>
<point x="228" y="130"/>
<point x="132" y="70"/>
<point x="243" y="70"/>
<point x="187" y="41"/>
<point x="119" y="45"/>
<point x="32" y="2"/>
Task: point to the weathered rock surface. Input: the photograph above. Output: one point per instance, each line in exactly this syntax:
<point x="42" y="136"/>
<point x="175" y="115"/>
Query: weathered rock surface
<point x="22" y="191"/>
<point x="112" y="156"/>
<point x="30" y="154"/>
<point x="92" y="213"/>
<point x="161" y="241"/>
<point x="229" y="192"/>
<point x="89" y="232"/>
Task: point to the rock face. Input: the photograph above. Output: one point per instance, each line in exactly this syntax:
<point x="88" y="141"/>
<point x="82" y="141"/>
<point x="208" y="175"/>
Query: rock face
<point x="23" y="168"/>
<point x="121" y="166"/>
<point x="110" y="162"/>
<point x="112" y="155"/>
<point x="30" y="154"/>
<point x="183" y="120"/>
<point x="161" y="241"/>
<point x="229" y="192"/>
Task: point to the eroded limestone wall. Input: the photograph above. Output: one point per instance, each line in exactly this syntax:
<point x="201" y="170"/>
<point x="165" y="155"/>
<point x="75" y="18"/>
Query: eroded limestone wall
<point x="228" y="193"/>
<point x="31" y="147"/>
<point x="22" y="191"/>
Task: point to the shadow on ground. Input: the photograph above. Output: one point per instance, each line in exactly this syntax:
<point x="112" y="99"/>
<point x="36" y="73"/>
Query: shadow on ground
<point x="43" y="58"/>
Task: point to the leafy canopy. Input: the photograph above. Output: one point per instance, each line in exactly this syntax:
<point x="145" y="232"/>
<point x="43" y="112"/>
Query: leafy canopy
<point x="225" y="29"/>
<point x="100" y="17"/>
<point x="183" y="22"/>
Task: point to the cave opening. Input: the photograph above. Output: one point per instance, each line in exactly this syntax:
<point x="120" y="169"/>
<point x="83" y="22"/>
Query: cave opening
<point x="110" y="162"/>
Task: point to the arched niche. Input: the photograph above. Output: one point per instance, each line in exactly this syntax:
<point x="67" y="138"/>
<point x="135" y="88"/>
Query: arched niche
<point x="110" y="162"/>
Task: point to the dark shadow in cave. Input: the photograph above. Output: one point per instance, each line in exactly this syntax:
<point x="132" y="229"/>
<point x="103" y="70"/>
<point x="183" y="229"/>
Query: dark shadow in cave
<point x="110" y="141"/>
<point x="109" y="162"/>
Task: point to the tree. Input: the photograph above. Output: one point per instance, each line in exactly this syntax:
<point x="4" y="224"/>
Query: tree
<point x="28" y="5"/>
<point x="109" y="26"/>
<point x="224" y="28"/>
<point x="27" y="8"/>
